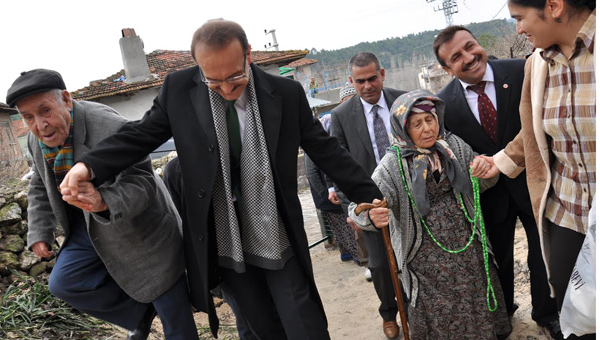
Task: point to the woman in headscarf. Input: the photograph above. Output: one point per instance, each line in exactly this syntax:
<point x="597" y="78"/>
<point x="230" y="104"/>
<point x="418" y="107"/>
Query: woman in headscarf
<point x="447" y="267"/>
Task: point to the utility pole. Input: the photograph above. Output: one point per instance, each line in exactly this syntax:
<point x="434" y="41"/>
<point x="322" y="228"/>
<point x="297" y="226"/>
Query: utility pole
<point x="275" y="45"/>
<point x="449" y="7"/>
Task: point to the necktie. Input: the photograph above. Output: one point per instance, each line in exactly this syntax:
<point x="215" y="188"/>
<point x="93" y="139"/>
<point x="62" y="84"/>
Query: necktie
<point x="235" y="147"/>
<point x="233" y="131"/>
<point x="381" y="136"/>
<point x="487" y="111"/>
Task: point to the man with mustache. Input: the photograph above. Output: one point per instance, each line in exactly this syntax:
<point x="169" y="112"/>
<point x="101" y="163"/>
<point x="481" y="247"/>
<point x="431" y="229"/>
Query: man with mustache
<point x="482" y="105"/>
<point x="362" y="125"/>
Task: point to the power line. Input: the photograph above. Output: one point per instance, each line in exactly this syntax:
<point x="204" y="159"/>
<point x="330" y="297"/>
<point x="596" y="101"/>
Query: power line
<point x="501" y="8"/>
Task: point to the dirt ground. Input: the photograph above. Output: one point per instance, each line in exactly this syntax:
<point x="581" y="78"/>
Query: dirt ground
<point x="350" y="301"/>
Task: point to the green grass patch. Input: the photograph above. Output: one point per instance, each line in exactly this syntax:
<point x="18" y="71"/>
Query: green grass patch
<point x="29" y="311"/>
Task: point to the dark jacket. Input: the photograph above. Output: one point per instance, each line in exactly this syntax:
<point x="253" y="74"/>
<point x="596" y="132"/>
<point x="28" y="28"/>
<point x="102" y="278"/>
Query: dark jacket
<point x="182" y="110"/>
<point x="508" y="81"/>
<point x="349" y="126"/>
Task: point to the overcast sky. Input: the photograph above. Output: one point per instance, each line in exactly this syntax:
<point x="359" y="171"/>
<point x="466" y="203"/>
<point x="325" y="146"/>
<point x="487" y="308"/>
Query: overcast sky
<point x="80" y="39"/>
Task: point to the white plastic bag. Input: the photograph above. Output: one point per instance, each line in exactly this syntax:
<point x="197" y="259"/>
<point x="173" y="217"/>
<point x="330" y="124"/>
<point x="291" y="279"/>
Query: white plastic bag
<point x="578" y="313"/>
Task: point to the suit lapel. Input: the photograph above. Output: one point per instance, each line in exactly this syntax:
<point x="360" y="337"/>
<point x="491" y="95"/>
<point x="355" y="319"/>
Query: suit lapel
<point x="464" y="112"/>
<point x="201" y="103"/>
<point x="270" y="107"/>
<point x="504" y="91"/>
<point x="468" y="117"/>
<point x="79" y="132"/>
<point x="389" y="98"/>
<point x="357" y="116"/>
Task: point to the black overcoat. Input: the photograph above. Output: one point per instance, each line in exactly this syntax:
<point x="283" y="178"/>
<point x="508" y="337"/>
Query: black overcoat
<point x="182" y="110"/>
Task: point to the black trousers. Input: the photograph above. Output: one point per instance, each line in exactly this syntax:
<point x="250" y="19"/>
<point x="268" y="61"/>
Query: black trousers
<point x="380" y="272"/>
<point x="565" y="245"/>
<point x="502" y="238"/>
<point x="276" y="304"/>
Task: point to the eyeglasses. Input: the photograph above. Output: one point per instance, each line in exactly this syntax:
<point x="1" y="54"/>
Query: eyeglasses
<point x="212" y="83"/>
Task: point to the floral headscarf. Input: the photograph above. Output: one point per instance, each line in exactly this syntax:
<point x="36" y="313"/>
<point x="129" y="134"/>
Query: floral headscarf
<point x="399" y="113"/>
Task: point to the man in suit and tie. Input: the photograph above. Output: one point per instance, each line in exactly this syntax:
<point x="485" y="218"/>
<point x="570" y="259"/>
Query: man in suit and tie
<point x="362" y="126"/>
<point x="128" y="231"/>
<point x="237" y="130"/>
<point x="174" y="183"/>
<point x="482" y="105"/>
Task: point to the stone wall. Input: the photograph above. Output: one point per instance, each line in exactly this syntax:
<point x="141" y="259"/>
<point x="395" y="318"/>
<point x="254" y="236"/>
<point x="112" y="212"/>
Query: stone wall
<point x="13" y="237"/>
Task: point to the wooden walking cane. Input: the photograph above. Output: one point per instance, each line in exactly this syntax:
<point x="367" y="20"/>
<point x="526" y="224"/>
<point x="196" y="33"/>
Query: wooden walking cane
<point x="392" y="261"/>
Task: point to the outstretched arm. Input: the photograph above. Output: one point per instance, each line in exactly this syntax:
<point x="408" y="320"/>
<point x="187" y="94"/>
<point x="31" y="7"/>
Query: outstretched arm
<point x="511" y="160"/>
<point x="69" y="187"/>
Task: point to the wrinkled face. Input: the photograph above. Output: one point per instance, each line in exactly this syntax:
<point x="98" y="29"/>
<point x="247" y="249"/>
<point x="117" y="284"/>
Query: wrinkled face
<point x="222" y="65"/>
<point x="47" y="116"/>
<point x="423" y="129"/>
<point x="368" y="82"/>
<point x="539" y="31"/>
<point x="464" y="57"/>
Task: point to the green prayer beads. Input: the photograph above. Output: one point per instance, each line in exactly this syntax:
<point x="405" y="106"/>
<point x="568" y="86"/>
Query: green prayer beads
<point x="477" y="218"/>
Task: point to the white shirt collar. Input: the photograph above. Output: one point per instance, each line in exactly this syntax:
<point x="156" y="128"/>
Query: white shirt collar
<point x="368" y="106"/>
<point x="242" y="100"/>
<point x="488" y="76"/>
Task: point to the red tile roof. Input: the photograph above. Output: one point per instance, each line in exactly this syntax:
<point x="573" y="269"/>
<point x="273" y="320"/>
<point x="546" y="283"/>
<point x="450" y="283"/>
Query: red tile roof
<point x="162" y="62"/>
<point x="301" y="62"/>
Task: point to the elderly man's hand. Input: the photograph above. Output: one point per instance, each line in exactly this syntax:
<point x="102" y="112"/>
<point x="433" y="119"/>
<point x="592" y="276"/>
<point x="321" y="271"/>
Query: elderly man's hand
<point x="78" y="173"/>
<point x="87" y="198"/>
<point x="41" y="249"/>
<point x="484" y="171"/>
<point x="379" y="216"/>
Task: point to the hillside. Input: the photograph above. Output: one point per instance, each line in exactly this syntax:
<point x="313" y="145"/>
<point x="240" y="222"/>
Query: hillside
<point x="411" y="45"/>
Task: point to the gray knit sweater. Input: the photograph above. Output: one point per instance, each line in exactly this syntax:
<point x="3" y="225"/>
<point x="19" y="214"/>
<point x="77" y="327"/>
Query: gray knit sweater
<point x="406" y="231"/>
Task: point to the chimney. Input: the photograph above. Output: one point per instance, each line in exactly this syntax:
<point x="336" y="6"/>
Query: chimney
<point x="134" y="58"/>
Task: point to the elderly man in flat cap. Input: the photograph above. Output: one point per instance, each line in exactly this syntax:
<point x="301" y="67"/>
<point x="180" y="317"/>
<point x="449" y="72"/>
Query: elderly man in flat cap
<point x="122" y="258"/>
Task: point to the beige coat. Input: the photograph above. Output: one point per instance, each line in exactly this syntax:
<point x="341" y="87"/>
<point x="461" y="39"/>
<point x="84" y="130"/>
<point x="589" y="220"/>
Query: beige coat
<point x="530" y="148"/>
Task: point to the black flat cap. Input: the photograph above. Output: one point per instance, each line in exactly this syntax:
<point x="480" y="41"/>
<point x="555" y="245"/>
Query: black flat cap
<point x="34" y="81"/>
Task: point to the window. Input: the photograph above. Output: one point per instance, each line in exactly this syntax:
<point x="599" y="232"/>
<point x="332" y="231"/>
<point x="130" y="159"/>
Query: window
<point x="8" y="131"/>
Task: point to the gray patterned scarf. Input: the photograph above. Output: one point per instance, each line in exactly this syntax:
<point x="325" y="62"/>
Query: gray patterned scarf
<point x="425" y="159"/>
<point x="261" y="239"/>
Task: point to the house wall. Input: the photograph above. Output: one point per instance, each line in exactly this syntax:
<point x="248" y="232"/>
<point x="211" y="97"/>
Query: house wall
<point x="21" y="130"/>
<point x="332" y="95"/>
<point x="303" y="74"/>
<point x="132" y="107"/>
<point x="12" y="161"/>
<point x="18" y="125"/>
